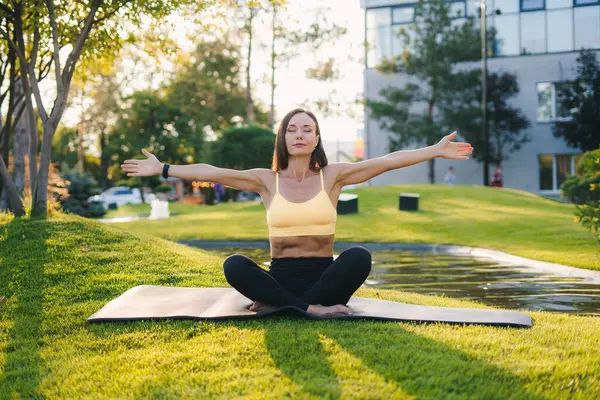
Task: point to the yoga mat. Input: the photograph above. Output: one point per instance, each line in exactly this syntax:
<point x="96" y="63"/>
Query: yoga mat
<point x="168" y="302"/>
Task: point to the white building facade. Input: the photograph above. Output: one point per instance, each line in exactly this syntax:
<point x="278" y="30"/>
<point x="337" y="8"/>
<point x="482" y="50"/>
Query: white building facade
<point x="538" y="42"/>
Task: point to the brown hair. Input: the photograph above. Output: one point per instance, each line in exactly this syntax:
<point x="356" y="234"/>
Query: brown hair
<point x="318" y="159"/>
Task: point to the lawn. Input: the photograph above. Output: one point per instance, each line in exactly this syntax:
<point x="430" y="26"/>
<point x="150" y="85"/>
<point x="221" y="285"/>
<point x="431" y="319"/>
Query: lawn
<point x="509" y="220"/>
<point x="56" y="273"/>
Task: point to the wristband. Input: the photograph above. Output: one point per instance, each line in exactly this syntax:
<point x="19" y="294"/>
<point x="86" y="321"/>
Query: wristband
<point x="165" y="172"/>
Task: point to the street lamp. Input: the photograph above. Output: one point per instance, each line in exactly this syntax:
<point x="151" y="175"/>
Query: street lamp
<point x="484" y="122"/>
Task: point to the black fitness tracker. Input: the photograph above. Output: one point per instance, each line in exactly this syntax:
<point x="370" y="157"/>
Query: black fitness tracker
<point x="165" y="173"/>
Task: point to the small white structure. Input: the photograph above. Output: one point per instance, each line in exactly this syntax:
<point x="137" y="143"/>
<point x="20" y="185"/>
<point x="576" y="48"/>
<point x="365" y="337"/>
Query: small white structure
<point x="160" y="209"/>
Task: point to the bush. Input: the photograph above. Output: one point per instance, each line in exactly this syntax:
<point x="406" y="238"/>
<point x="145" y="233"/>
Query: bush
<point x="584" y="190"/>
<point x="577" y="187"/>
<point x="163" y="188"/>
<point x="589" y="216"/>
<point x="80" y="187"/>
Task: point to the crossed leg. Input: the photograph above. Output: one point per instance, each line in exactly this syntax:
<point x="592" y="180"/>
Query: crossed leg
<point x="335" y="286"/>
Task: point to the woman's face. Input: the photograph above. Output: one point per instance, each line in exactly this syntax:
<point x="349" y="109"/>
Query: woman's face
<point x="301" y="135"/>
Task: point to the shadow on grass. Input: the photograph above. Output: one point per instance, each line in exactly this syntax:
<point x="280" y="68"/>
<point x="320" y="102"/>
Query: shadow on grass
<point x="415" y="364"/>
<point x="325" y="358"/>
<point x="22" y="282"/>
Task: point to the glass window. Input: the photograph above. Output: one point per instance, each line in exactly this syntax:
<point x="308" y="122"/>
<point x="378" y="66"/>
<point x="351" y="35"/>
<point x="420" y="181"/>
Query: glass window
<point x="544" y="91"/>
<point x="546" y="167"/>
<point x="587" y="27"/>
<point x="533" y="32"/>
<point x="584" y="2"/>
<point x="554" y="169"/>
<point x="379" y="45"/>
<point x="403" y="14"/>
<point x="528" y="5"/>
<point x="550" y="97"/>
<point x="507" y="6"/>
<point x="560" y="32"/>
<point x="473" y="8"/>
<point x="550" y="4"/>
<point x="563" y="168"/>
<point x="378" y="16"/>
<point x="457" y="9"/>
<point x="400" y="33"/>
<point x="561" y="90"/>
<point x="507" y="36"/>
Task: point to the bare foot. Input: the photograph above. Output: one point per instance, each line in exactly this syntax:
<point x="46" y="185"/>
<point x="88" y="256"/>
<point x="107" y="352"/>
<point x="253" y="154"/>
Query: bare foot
<point x="257" y="306"/>
<point x="337" y="310"/>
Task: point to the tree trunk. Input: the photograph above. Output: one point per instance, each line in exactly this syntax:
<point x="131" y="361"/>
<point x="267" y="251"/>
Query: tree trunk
<point x="14" y="202"/>
<point x="104" y="159"/>
<point x="3" y="199"/>
<point x="4" y="153"/>
<point x="432" y="161"/>
<point x="273" y="59"/>
<point x="21" y="145"/>
<point x="25" y="79"/>
<point x="8" y="123"/>
<point x="80" y="153"/>
<point x="431" y="170"/>
<point x="250" y="105"/>
<point x="40" y="192"/>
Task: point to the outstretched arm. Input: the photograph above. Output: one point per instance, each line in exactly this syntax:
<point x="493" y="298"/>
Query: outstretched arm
<point x="251" y="179"/>
<point x="353" y="173"/>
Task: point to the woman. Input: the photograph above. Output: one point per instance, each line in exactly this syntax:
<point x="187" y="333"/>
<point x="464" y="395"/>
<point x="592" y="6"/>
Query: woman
<point x="300" y="195"/>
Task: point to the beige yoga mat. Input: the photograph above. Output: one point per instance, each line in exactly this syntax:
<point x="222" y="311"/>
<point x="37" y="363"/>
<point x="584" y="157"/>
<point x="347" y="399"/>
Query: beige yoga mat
<point x="168" y="302"/>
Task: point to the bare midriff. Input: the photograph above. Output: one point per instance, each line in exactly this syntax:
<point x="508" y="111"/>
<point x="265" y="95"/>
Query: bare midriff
<point x="302" y="246"/>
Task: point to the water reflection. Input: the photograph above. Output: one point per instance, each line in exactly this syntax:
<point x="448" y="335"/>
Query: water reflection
<point x="465" y="277"/>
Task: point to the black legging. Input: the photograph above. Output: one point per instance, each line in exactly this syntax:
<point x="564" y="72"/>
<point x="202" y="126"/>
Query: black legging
<point x="300" y="281"/>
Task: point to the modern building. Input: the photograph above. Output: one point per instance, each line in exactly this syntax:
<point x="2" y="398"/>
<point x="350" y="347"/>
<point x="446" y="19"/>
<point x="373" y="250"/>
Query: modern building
<point x="537" y="41"/>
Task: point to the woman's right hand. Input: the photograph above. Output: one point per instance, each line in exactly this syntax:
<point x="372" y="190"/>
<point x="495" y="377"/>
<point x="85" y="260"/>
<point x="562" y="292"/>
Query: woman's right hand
<point x="150" y="166"/>
<point x="337" y="310"/>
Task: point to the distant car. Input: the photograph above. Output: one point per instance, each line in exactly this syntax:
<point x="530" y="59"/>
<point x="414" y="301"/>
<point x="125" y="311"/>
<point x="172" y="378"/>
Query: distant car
<point x="245" y="195"/>
<point x="120" y="195"/>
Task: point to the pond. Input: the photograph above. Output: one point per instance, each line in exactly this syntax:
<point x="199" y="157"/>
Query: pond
<point x="466" y="277"/>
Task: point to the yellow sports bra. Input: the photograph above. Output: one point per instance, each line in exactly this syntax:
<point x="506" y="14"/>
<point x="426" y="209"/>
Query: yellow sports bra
<point x="316" y="216"/>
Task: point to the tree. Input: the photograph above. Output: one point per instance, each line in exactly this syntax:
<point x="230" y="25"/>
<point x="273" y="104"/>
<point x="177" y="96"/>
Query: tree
<point x="89" y="30"/>
<point x="248" y="13"/>
<point x="433" y="47"/>
<point x="206" y="86"/>
<point x="243" y="148"/>
<point x="462" y="112"/>
<point x="288" y="44"/>
<point x="448" y="93"/>
<point x="580" y="98"/>
<point x="151" y="121"/>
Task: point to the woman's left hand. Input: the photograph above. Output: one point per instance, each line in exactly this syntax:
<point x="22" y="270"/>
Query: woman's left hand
<point x="453" y="150"/>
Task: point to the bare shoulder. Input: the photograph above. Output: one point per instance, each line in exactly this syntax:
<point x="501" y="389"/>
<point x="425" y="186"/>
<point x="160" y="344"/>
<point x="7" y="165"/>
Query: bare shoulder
<point x="267" y="176"/>
<point x="332" y="172"/>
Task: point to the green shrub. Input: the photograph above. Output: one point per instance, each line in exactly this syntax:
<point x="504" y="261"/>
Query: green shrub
<point x="589" y="216"/>
<point x="80" y="187"/>
<point x="584" y="190"/>
<point x="577" y="187"/>
<point x="163" y="188"/>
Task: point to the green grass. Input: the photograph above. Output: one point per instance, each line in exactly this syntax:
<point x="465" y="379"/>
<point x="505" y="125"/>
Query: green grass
<point x="144" y="209"/>
<point x="56" y="273"/>
<point x="508" y="220"/>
